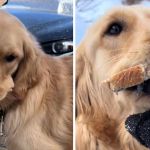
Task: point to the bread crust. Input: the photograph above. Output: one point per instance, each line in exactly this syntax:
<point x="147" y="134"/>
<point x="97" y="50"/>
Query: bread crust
<point x="129" y="77"/>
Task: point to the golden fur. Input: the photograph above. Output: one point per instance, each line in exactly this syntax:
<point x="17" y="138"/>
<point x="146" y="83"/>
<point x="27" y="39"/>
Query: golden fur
<point x="101" y="114"/>
<point x="39" y="107"/>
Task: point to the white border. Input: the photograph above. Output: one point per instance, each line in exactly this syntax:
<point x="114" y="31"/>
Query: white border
<point x="74" y="68"/>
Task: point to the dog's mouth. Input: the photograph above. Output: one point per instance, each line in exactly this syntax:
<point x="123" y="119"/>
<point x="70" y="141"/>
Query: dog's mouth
<point x="141" y="88"/>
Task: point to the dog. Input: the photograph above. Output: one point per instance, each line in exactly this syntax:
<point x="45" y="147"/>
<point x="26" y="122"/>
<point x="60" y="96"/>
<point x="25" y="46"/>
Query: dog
<point x="117" y="41"/>
<point x="35" y="91"/>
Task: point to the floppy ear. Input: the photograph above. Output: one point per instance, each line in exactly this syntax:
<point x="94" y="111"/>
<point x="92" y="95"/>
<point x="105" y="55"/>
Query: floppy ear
<point x="84" y="86"/>
<point x="90" y="92"/>
<point x="28" y="72"/>
<point x="93" y="101"/>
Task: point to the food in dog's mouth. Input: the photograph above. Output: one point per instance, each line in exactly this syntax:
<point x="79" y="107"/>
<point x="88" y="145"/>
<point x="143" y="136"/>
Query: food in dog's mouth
<point x="138" y="125"/>
<point x="134" y="78"/>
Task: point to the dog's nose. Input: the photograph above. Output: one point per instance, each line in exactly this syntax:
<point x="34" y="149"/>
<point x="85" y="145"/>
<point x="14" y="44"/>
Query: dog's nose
<point x="8" y="83"/>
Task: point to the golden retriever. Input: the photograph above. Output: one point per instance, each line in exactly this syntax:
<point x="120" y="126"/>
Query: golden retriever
<point x="119" y="40"/>
<point x="35" y="91"/>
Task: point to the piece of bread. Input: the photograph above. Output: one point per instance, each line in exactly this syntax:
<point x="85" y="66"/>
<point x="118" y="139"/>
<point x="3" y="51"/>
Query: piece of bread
<point x="129" y="77"/>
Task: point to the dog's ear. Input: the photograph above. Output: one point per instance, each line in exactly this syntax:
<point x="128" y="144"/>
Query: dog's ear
<point x="83" y="80"/>
<point x="79" y="62"/>
<point x="28" y="70"/>
<point x="90" y="90"/>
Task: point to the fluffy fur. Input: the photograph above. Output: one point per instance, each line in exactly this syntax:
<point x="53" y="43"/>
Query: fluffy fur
<point x="39" y="107"/>
<point x="101" y="114"/>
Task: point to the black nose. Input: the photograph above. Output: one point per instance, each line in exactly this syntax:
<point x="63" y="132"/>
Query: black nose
<point x="138" y="126"/>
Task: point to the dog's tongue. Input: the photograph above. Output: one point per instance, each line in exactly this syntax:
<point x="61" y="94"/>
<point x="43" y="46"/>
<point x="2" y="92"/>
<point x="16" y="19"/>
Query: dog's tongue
<point x="138" y="126"/>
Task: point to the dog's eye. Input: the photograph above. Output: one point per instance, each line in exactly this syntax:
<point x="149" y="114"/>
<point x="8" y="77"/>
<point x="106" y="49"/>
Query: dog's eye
<point x="114" y="29"/>
<point x="10" y="58"/>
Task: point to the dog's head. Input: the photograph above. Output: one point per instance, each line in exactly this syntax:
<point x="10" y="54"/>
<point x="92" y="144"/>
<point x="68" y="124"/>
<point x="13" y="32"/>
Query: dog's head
<point x="119" y="40"/>
<point x="18" y="52"/>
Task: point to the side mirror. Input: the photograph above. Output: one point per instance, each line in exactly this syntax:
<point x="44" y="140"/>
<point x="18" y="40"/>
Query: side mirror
<point x="3" y="2"/>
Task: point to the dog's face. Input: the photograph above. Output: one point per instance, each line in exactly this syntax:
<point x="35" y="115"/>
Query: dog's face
<point x="11" y="52"/>
<point x="16" y="51"/>
<point x="121" y="39"/>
